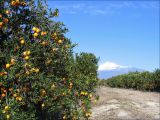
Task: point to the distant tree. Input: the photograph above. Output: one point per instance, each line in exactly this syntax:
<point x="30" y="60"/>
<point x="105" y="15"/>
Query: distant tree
<point x="137" y="80"/>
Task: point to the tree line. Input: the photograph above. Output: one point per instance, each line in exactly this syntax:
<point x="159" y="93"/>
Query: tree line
<point x="145" y="81"/>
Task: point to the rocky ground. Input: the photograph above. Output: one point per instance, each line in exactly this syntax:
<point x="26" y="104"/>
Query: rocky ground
<point x="126" y="104"/>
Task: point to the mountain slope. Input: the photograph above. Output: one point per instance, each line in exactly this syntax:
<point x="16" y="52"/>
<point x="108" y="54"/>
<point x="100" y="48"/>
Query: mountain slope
<point x="104" y="74"/>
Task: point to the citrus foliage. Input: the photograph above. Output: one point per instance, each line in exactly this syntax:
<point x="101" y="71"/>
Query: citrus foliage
<point x="136" y="80"/>
<point x="39" y="77"/>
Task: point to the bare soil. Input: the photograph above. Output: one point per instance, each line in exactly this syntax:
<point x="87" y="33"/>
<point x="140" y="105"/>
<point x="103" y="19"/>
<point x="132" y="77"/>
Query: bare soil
<point x="126" y="104"/>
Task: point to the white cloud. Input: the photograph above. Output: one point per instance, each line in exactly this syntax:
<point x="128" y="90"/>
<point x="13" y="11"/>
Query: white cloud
<point x="102" y="8"/>
<point x="110" y="66"/>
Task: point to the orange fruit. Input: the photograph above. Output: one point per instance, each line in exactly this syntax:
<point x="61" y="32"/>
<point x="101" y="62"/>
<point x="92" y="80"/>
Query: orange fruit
<point x="14" y="95"/>
<point x="8" y="116"/>
<point x="13" y="3"/>
<point x="6" y="107"/>
<point x="34" y="28"/>
<point x="22" y="42"/>
<point x="12" y="61"/>
<point x="43" y="33"/>
<point x="37" y="30"/>
<point x="5" y="20"/>
<point x="8" y="65"/>
<point x="60" y="41"/>
<point x="1" y="23"/>
<point x="10" y="89"/>
<point x="7" y="12"/>
<point x="35" y="35"/>
<point x="28" y="52"/>
<point x="26" y="58"/>
<point x="3" y="95"/>
<point x="43" y="105"/>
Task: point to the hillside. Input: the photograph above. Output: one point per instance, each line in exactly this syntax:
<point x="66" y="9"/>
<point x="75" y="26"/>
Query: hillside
<point x="127" y="104"/>
<point x="104" y="74"/>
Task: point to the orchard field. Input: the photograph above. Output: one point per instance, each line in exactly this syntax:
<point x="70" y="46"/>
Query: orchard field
<point x="144" y="81"/>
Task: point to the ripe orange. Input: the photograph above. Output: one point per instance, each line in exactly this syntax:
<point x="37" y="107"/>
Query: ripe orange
<point x="25" y="53"/>
<point x="26" y="58"/>
<point x="27" y="72"/>
<point x="60" y="41"/>
<point x="12" y="61"/>
<point x="3" y="95"/>
<point x="6" y="107"/>
<point x="43" y="33"/>
<point x="28" y="52"/>
<point x="20" y="98"/>
<point x="43" y="92"/>
<point x="5" y="20"/>
<point x="7" y="12"/>
<point x="8" y="116"/>
<point x="22" y="42"/>
<point x="13" y="3"/>
<point x="10" y="89"/>
<point x="14" y="95"/>
<point x="37" y="30"/>
<point x="1" y="23"/>
<point x="43" y="105"/>
<point x="35" y="35"/>
<point x="34" y="28"/>
<point x="8" y="65"/>
<point x="37" y="70"/>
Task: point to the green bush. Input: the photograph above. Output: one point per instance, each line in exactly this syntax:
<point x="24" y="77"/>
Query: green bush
<point x="149" y="81"/>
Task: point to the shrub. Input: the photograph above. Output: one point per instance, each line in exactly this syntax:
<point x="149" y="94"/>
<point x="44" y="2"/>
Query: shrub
<point x="149" y="81"/>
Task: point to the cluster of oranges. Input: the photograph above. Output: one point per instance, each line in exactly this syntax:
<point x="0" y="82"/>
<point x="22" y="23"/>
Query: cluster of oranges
<point x="43" y="33"/>
<point x="17" y="3"/>
<point x="7" y="108"/>
<point x="3" y="73"/>
<point x="36" y="32"/>
<point x="84" y="93"/>
<point x="88" y="114"/>
<point x="90" y="96"/>
<point x="22" y="41"/>
<point x="5" y="91"/>
<point x="8" y="65"/>
<point x="26" y="54"/>
<point x="70" y="85"/>
<point x="6" y="111"/>
<point x="42" y="92"/>
<point x="3" y="21"/>
<point x="57" y="38"/>
<point x="32" y="70"/>
<point x="44" y="43"/>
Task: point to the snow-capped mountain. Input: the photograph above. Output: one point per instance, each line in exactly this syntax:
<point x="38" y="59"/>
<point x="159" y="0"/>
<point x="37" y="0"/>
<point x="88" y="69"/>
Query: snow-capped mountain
<point x="110" y="69"/>
<point x="110" y="73"/>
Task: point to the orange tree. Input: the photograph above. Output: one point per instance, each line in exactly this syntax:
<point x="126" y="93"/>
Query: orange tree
<point x="40" y="78"/>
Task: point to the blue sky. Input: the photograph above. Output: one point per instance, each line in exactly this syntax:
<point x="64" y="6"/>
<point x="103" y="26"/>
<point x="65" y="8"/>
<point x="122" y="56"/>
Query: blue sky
<point x="119" y="32"/>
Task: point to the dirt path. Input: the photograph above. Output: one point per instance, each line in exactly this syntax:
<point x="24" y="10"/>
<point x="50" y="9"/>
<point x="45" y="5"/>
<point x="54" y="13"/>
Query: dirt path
<point x="124" y="104"/>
